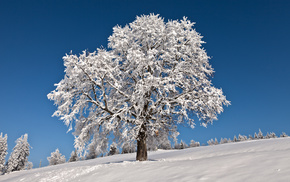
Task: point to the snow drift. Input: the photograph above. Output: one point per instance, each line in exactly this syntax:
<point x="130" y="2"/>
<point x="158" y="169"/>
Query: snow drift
<point x="257" y="160"/>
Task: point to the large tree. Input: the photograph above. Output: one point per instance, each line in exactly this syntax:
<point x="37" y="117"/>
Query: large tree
<point x="154" y="76"/>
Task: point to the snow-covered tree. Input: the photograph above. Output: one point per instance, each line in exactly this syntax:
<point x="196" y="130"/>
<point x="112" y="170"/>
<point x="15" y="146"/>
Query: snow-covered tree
<point x="250" y="137"/>
<point x="19" y="156"/>
<point x="216" y="142"/>
<point x="73" y="156"/>
<point x="56" y="158"/>
<point x="283" y="134"/>
<point x="235" y="139"/>
<point x="128" y="147"/>
<point x="113" y="149"/>
<point x="153" y="77"/>
<point x="194" y="143"/>
<point x="92" y="151"/>
<point x="273" y="135"/>
<point x="164" y="143"/>
<point x="210" y="142"/>
<point x="223" y="140"/>
<point x="159" y="140"/>
<point x="97" y="147"/>
<point x="176" y="145"/>
<point x="256" y="136"/>
<point x="183" y="145"/>
<point x="152" y="143"/>
<point x="28" y="165"/>
<point x="3" y="151"/>
<point x="226" y="140"/>
<point x="242" y="138"/>
<point x="260" y="135"/>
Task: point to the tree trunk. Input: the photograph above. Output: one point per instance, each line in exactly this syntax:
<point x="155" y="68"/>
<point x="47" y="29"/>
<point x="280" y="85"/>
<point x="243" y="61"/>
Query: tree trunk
<point x="141" y="145"/>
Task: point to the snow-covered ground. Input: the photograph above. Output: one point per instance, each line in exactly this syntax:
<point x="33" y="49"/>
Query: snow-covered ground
<point x="261" y="160"/>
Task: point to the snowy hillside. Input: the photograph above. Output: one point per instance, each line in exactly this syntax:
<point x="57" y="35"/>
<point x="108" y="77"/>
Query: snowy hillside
<point x="262" y="160"/>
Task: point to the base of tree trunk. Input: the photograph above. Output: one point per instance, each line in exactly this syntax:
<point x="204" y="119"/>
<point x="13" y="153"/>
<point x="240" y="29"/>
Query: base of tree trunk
<point x="141" y="145"/>
<point x="141" y="150"/>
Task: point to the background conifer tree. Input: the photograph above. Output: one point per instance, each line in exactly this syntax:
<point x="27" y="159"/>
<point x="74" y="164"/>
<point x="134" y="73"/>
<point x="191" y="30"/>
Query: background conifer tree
<point x="113" y="149"/>
<point x="3" y="151"/>
<point x="19" y="155"/>
<point x="73" y="156"/>
<point x="56" y="158"/>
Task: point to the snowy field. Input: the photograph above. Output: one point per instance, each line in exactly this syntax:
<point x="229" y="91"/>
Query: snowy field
<point x="257" y="161"/>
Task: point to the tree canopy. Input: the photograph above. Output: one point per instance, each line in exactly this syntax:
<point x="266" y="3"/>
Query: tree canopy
<point x="154" y="76"/>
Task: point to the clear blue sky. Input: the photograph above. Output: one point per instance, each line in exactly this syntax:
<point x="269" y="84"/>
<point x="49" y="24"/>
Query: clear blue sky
<point x="247" y="40"/>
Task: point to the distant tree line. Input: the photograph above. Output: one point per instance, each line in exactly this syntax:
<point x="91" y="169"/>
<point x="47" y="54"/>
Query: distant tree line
<point x="18" y="159"/>
<point x="241" y="138"/>
<point x="153" y="144"/>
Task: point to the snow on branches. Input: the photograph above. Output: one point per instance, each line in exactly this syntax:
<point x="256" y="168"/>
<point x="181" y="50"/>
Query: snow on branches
<point x="19" y="156"/>
<point x="154" y="75"/>
<point x="56" y="158"/>
<point x="3" y="151"/>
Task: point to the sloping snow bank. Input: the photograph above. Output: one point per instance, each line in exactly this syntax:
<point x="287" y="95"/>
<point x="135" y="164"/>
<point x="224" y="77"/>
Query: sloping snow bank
<point x="261" y="160"/>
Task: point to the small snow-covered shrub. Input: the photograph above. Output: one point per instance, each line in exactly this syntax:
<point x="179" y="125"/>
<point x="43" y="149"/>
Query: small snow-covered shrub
<point x="56" y="158"/>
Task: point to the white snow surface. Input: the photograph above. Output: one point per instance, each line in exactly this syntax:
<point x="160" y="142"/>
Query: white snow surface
<point x="257" y="160"/>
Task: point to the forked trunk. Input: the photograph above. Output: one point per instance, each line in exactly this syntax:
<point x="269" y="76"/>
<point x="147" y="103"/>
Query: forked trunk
<point x="141" y="145"/>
